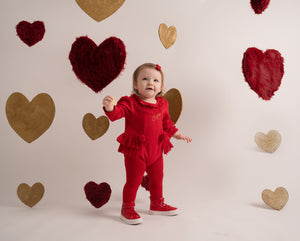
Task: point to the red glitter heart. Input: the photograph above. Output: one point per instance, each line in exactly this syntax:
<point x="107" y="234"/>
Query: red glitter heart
<point x="263" y="71"/>
<point x="97" y="66"/>
<point x="30" y="33"/>
<point x="259" y="5"/>
<point x="97" y="194"/>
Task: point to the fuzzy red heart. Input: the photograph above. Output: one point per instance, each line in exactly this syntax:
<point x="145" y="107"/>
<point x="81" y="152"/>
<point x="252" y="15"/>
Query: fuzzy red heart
<point x="145" y="182"/>
<point x="263" y="71"/>
<point x="30" y="33"/>
<point x="97" y="194"/>
<point x="97" y="66"/>
<point x="259" y="5"/>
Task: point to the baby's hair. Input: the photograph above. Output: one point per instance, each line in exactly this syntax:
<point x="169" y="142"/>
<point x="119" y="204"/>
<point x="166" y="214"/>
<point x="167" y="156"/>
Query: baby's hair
<point x="139" y="69"/>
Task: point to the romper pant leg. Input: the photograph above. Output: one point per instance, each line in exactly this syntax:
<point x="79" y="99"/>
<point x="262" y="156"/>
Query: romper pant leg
<point x="135" y="169"/>
<point x="155" y="174"/>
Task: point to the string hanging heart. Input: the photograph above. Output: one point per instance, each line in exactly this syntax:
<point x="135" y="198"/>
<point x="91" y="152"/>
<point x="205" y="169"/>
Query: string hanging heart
<point x="30" y="196"/>
<point x="97" y="194"/>
<point x="259" y="5"/>
<point x="30" y="119"/>
<point x="97" y="66"/>
<point x="30" y="33"/>
<point x="263" y="71"/>
<point x="99" y="9"/>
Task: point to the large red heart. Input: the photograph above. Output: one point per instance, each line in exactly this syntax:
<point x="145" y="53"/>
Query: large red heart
<point x="263" y="71"/>
<point x="30" y="33"/>
<point x="97" y="194"/>
<point x="259" y="5"/>
<point x="97" y="66"/>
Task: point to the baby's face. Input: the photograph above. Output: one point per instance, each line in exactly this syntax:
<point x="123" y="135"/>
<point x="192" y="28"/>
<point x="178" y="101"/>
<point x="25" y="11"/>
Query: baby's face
<point x="148" y="84"/>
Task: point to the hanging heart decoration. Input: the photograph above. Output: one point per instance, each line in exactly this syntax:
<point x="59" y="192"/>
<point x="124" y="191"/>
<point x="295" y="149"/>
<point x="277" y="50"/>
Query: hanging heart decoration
<point x="97" y="66"/>
<point x="99" y="9"/>
<point x="30" y="196"/>
<point x="145" y="182"/>
<point x="30" y="33"/>
<point x="97" y="194"/>
<point x="167" y="35"/>
<point x="174" y="98"/>
<point x="263" y="71"/>
<point x="276" y="200"/>
<point x="259" y="5"/>
<point x="30" y="119"/>
<point x="270" y="142"/>
<point x="93" y="127"/>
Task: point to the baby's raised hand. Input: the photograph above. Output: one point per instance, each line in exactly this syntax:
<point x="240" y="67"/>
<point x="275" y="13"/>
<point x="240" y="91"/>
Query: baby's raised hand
<point x="109" y="102"/>
<point x="180" y="136"/>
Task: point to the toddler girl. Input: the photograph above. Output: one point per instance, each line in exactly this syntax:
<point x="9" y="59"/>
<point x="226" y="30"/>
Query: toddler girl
<point x="148" y="130"/>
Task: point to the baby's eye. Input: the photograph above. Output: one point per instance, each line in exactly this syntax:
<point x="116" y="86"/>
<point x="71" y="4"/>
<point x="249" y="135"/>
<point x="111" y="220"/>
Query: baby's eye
<point x="145" y="78"/>
<point x="156" y="80"/>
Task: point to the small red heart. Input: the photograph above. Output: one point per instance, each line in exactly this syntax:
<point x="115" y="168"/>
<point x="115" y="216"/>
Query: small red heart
<point x="259" y="5"/>
<point x="263" y="71"/>
<point x="97" y="66"/>
<point x="97" y="194"/>
<point x="145" y="182"/>
<point x="30" y="33"/>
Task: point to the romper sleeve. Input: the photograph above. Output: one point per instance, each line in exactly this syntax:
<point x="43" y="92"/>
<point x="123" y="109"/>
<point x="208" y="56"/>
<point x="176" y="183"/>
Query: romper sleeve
<point x="120" y="110"/>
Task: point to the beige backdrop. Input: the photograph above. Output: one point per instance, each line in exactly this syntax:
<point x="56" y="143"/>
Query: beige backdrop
<point x="216" y="181"/>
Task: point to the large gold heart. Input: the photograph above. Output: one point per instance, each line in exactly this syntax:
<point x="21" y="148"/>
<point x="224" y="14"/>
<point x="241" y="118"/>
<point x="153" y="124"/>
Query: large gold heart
<point x="30" y="119"/>
<point x="173" y="96"/>
<point x="269" y="142"/>
<point x="99" y="9"/>
<point x="30" y="195"/>
<point x="167" y="35"/>
<point x="277" y="199"/>
<point x="93" y="127"/>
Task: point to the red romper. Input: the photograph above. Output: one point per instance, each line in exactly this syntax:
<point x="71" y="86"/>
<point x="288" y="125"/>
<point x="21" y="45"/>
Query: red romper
<point x="148" y="129"/>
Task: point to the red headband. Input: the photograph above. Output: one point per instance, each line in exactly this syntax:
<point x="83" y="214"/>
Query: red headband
<point x="158" y="67"/>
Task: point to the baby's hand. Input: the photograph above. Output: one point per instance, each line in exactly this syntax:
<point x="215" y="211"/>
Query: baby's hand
<point x="109" y="102"/>
<point x="180" y="136"/>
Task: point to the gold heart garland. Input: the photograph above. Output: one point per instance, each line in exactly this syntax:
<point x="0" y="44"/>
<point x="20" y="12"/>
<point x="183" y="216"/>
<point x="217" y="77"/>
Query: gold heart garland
<point x="30" y="196"/>
<point x="173" y="96"/>
<point x="30" y="119"/>
<point x="167" y="35"/>
<point x="99" y="9"/>
<point x="93" y="127"/>
<point x="277" y="199"/>
<point x="270" y="142"/>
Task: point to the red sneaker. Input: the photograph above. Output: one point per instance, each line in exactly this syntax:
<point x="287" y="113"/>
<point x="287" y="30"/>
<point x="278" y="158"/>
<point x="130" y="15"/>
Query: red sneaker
<point x="129" y="215"/>
<point x="158" y="207"/>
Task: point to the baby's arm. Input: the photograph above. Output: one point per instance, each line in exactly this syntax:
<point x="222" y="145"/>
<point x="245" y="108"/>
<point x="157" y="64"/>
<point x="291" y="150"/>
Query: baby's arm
<point x="180" y="136"/>
<point x="108" y="103"/>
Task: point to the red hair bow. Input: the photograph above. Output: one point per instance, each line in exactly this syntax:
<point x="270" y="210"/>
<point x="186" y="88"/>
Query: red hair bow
<point x="158" y="67"/>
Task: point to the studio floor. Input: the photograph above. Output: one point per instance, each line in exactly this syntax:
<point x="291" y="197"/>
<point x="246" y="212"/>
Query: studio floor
<point x="216" y="221"/>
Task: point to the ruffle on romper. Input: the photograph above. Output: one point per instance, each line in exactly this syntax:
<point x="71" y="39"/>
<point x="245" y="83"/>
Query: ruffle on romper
<point x="129" y="144"/>
<point x="166" y="144"/>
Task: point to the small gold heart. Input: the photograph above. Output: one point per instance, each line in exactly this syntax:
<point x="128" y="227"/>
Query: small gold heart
<point x="99" y="9"/>
<point x="277" y="199"/>
<point x="173" y="96"/>
<point x="167" y="35"/>
<point x="30" y="195"/>
<point x="30" y="119"/>
<point x="269" y="142"/>
<point x="93" y="127"/>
